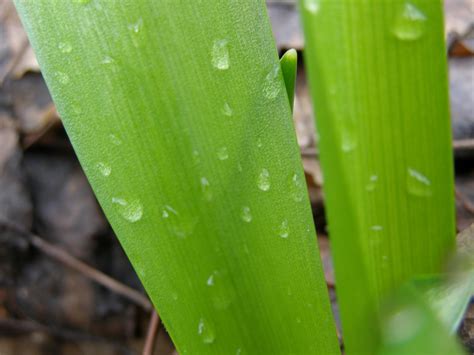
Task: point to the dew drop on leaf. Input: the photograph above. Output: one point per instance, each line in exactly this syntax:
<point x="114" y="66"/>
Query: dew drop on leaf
<point x="222" y="153"/>
<point x="263" y="180"/>
<point x="418" y="184"/>
<point x="206" y="189"/>
<point x="65" y="47"/>
<point x="104" y="168"/>
<point x="227" y="110"/>
<point x="114" y="139"/>
<point x="297" y="188"/>
<point x="132" y="210"/>
<point x="272" y="83"/>
<point x="245" y="214"/>
<point x="409" y="24"/>
<point x="372" y="184"/>
<point x="206" y="332"/>
<point x="284" y="229"/>
<point x="220" y="54"/>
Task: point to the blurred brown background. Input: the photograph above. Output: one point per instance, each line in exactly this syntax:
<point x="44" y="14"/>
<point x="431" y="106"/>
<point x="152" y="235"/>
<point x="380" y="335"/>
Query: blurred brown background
<point x="66" y="286"/>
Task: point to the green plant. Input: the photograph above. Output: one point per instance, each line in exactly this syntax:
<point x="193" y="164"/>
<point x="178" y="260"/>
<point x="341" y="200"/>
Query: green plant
<point x="180" y="114"/>
<point x="377" y="71"/>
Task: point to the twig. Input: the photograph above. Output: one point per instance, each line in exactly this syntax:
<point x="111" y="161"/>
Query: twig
<point x="153" y="327"/>
<point x="468" y="206"/>
<point x="67" y="259"/>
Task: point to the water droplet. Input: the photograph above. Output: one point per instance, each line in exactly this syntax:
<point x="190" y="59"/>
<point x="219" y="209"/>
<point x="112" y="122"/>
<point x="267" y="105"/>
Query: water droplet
<point x="206" y="189"/>
<point x="349" y="142"/>
<point x="210" y="280"/>
<point x="132" y="211"/>
<point x="298" y="320"/>
<point x="206" y="332"/>
<point x="239" y="167"/>
<point x="246" y="215"/>
<point x="220" y="54"/>
<point x="409" y="24"/>
<point x="376" y="228"/>
<point x="372" y="184"/>
<point x="263" y="180"/>
<point x="238" y="351"/>
<point x="297" y="188"/>
<point x="259" y="143"/>
<point x="114" y="139"/>
<point x="312" y="6"/>
<point x="63" y="78"/>
<point x="65" y="47"/>
<point x="135" y="29"/>
<point x="222" y="291"/>
<point x="167" y="210"/>
<point x="272" y="83"/>
<point x="104" y="169"/>
<point x="418" y="184"/>
<point x="222" y="153"/>
<point x="110" y="63"/>
<point x="227" y="110"/>
<point x="284" y="229"/>
<point x="196" y="157"/>
<point x="107" y="60"/>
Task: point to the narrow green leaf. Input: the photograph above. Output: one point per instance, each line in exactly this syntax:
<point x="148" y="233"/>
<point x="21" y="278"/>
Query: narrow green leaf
<point x="289" y="65"/>
<point x="411" y="327"/>
<point x="377" y="71"/>
<point x="178" y="113"/>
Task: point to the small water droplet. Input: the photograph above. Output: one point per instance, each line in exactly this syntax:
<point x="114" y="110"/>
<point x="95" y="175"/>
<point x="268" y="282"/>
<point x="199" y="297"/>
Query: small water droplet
<point x="263" y="180"/>
<point x="104" y="168"/>
<point x="135" y="29"/>
<point x="238" y="351"/>
<point x="206" y="331"/>
<point x="222" y="153"/>
<point x="298" y="320"/>
<point x="297" y="188"/>
<point x="206" y="188"/>
<point x="167" y="210"/>
<point x="410" y="23"/>
<point x="114" y="139"/>
<point x="312" y="6"/>
<point x="272" y="83"/>
<point x="63" y="78"/>
<point x="239" y="167"/>
<point x="403" y="325"/>
<point x="349" y="142"/>
<point x="259" y="143"/>
<point x="210" y="280"/>
<point x="418" y="184"/>
<point x="372" y="184"/>
<point x="132" y="210"/>
<point x="246" y="215"/>
<point x="220" y="54"/>
<point x="174" y="296"/>
<point x="376" y="228"/>
<point x="65" y="47"/>
<point x="284" y="229"/>
<point x="227" y="110"/>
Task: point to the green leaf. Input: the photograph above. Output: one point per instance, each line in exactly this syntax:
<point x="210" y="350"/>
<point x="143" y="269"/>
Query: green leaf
<point x="411" y="327"/>
<point x="289" y="64"/>
<point x="178" y="113"/>
<point x="377" y="72"/>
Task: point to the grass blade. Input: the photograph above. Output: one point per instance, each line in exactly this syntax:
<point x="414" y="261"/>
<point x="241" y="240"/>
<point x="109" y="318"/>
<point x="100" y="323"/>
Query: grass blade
<point x="178" y="113"/>
<point x="289" y="64"/>
<point x="377" y="71"/>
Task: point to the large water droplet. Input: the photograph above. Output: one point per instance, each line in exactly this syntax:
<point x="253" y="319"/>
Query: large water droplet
<point x="312" y="6"/>
<point x="418" y="184"/>
<point x="104" y="168"/>
<point x="245" y="214"/>
<point x="284" y="229"/>
<point x="206" y="331"/>
<point x="63" y="78"/>
<point x="227" y="110"/>
<point x="65" y="47"/>
<point x="220" y="54"/>
<point x="263" y="180"/>
<point x="206" y="189"/>
<point x="272" y="83"/>
<point x="372" y="184"/>
<point x="222" y="153"/>
<point x="132" y="210"/>
<point x="410" y="23"/>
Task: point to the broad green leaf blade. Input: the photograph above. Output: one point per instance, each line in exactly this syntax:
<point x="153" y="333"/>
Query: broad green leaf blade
<point x="377" y="71"/>
<point x="410" y="327"/>
<point x="289" y="65"/>
<point x="178" y="113"/>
